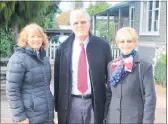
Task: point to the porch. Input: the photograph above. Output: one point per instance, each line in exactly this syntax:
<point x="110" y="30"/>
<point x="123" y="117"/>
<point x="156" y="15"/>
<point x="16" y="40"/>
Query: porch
<point x="119" y="15"/>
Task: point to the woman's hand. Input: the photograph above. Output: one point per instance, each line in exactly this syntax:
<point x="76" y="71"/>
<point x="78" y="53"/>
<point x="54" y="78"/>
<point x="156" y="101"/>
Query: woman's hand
<point x="24" y="121"/>
<point x="55" y="121"/>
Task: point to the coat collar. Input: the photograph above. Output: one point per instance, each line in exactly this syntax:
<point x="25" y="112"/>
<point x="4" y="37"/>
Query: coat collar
<point x="136" y="57"/>
<point x="136" y="60"/>
<point x="68" y="47"/>
<point x="32" y="52"/>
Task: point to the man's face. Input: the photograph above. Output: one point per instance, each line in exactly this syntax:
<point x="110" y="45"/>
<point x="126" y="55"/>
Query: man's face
<point x="80" y="26"/>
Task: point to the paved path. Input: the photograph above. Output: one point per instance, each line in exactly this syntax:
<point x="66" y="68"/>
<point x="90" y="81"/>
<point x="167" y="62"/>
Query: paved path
<point x="160" y="117"/>
<point x="160" y="114"/>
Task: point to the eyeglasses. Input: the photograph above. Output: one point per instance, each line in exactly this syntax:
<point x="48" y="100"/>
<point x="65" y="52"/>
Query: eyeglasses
<point x="81" y="22"/>
<point x="125" y="41"/>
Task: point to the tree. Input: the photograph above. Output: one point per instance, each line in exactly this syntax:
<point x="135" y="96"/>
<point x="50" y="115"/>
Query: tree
<point x="17" y="14"/>
<point x="101" y="24"/>
<point x="63" y="18"/>
<point x="78" y="4"/>
<point x="14" y="15"/>
<point x="6" y="44"/>
<point x="50" y="15"/>
<point x="98" y="7"/>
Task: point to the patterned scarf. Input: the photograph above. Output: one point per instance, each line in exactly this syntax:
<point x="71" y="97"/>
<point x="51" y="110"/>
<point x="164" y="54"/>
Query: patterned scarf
<point x="121" y="67"/>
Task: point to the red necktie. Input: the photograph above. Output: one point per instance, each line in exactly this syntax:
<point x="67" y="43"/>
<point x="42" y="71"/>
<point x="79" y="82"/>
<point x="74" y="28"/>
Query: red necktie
<point x="82" y="70"/>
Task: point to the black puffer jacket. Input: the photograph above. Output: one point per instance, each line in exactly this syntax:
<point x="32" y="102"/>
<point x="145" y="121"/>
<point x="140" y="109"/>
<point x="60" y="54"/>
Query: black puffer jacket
<point x="28" y="86"/>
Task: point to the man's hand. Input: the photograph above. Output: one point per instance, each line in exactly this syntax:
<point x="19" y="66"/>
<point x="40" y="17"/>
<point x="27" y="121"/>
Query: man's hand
<point x="24" y="121"/>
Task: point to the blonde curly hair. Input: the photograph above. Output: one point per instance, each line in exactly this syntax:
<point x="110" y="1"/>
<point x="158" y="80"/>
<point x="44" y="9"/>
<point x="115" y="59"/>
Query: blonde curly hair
<point x="23" y="35"/>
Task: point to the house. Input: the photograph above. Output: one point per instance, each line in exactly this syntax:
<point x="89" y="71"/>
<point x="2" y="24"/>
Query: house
<point x="149" y="20"/>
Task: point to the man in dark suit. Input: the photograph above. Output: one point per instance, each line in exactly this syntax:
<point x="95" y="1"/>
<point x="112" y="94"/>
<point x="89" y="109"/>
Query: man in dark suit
<point x="80" y="72"/>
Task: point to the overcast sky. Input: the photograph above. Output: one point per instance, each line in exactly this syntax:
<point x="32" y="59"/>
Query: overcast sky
<point x="67" y="6"/>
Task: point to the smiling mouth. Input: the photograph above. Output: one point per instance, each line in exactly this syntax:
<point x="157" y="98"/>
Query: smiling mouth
<point x="80" y="29"/>
<point x="36" y="43"/>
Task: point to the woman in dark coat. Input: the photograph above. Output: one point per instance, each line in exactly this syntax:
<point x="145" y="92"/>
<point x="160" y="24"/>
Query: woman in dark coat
<point x="28" y="79"/>
<point x="126" y="101"/>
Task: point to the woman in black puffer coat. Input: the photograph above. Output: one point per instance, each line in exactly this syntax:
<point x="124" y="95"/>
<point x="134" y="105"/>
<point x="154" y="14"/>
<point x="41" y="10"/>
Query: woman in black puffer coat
<point x="28" y="79"/>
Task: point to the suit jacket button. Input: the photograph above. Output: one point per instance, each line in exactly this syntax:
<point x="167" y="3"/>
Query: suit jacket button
<point x="65" y="108"/>
<point x="118" y="109"/>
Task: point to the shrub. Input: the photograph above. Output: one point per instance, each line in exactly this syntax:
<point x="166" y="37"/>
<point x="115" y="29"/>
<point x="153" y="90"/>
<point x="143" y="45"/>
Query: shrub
<point x="6" y="41"/>
<point x="160" y="70"/>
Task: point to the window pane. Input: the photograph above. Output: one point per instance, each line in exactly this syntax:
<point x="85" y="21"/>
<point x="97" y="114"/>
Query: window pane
<point x="156" y="14"/>
<point x="132" y="24"/>
<point x="157" y="4"/>
<point x="150" y="24"/>
<point x="150" y="21"/>
<point x="156" y="26"/>
<point x="131" y="13"/>
<point x="150" y="5"/>
<point x="144" y="18"/>
<point x="150" y="14"/>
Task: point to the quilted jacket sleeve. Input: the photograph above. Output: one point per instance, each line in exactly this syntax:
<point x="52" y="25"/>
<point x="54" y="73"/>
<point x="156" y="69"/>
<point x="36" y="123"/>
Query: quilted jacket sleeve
<point x="15" y="75"/>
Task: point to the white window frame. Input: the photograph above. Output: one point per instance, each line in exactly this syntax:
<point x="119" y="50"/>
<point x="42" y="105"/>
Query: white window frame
<point x="130" y="13"/>
<point x="152" y="32"/>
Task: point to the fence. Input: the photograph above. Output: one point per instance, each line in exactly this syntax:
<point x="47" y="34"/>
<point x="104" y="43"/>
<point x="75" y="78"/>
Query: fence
<point x="51" y="51"/>
<point x="53" y="46"/>
<point x="3" y="66"/>
<point x="115" y="51"/>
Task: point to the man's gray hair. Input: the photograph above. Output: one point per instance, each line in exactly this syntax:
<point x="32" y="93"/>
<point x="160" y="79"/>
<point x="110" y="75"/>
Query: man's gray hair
<point x="79" y="12"/>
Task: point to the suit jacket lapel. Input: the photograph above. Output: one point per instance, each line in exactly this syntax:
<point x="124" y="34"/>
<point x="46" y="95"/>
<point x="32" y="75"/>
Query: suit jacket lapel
<point x="68" y="49"/>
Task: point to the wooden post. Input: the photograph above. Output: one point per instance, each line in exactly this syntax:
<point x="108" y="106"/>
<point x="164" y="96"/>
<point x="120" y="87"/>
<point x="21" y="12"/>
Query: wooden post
<point x="119" y="19"/>
<point x="108" y="37"/>
<point x="94" y="24"/>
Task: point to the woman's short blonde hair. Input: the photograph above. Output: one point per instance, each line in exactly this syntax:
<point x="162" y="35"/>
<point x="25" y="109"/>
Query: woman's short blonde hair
<point x="23" y="35"/>
<point x="128" y="32"/>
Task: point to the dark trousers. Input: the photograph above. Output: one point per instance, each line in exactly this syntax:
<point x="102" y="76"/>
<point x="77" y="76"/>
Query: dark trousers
<point x="81" y="111"/>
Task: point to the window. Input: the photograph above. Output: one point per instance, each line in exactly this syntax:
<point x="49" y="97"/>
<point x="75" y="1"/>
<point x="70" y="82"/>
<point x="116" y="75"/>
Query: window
<point x="149" y="23"/>
<point x="132" y="16"/>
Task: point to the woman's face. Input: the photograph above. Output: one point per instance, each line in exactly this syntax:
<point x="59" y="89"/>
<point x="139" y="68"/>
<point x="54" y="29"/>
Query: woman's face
<point x="126" y="45"/>
<point x="35" y="39"/>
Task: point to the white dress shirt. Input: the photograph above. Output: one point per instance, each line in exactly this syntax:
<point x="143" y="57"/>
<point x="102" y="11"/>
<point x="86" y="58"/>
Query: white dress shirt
<point x="76" y="49"/>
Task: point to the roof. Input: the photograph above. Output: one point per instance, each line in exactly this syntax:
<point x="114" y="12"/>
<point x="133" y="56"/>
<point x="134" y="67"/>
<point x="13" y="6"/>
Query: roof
<point x="113" y="11"/>
<point x="53" y="32"/>
<point x="49" y="30"/>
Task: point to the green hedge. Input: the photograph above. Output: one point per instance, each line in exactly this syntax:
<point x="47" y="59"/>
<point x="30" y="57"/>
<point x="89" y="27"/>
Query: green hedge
<point x="6" y="42"/>
<point x="160" y="70"/>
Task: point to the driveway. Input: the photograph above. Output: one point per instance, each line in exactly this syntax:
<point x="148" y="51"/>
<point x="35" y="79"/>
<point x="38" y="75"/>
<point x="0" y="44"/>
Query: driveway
<point x="160" y="116"/>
